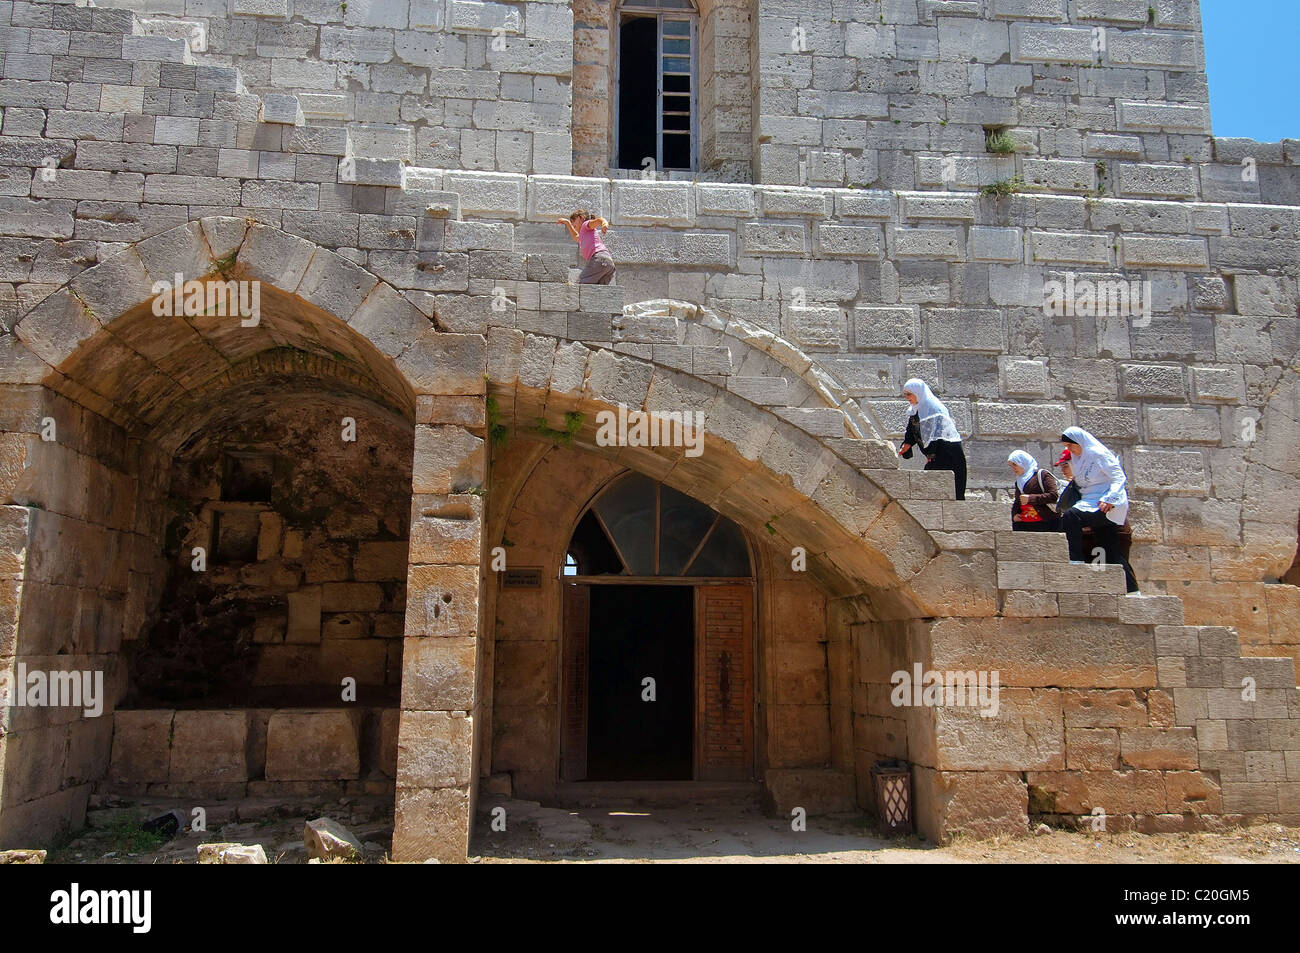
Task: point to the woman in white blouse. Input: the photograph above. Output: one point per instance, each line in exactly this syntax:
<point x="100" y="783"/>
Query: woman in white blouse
<point x="1103" y="500"/>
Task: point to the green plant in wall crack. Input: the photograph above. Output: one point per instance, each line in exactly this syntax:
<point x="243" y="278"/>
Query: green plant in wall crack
<point x="498" y="433"/>
<point x="563" y="438"/>
<point x="226" y="264"/>
<point x="1000" y="143"/>
<point x="1005" y="187"/>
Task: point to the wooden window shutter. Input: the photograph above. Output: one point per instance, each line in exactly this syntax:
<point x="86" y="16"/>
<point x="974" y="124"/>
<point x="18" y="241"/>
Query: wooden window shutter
<point x="577" y="620"/>
<point x="725" y="695"/>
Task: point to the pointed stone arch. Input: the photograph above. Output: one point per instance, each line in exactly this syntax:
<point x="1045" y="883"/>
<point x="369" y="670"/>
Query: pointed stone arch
<point x="124" y="386"/>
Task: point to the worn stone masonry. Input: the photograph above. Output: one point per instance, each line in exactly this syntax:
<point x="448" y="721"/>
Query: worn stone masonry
<point x="387" y="174"/>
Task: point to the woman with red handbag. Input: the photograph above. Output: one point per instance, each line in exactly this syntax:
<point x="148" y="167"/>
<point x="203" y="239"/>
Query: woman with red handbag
<point x="1034" y="496"/>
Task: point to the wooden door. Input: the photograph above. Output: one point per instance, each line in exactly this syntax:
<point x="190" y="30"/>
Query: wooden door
<point x="724" y="665"/>
<point x="573" y="730"/>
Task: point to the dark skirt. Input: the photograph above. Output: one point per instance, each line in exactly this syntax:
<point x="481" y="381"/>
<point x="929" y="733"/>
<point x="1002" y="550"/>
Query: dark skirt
<point x="1042" y="526"/>
<point x="948" y="455"/>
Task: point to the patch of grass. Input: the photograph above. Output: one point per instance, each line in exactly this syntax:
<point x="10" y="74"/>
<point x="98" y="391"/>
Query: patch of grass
<point x="999" y="143"/>
<point x="128" y="837"/>
<point x="1005" y="187"/>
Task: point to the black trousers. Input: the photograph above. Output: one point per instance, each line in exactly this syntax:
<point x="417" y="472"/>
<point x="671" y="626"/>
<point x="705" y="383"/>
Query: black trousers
<point x="1104" y="532"/>
<point x="948" y="455"/>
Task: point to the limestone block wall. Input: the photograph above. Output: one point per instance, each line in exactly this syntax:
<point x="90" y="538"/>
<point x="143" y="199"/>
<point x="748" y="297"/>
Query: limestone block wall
<point x="811" y="304"/>
<point x="263" y="752"/>
<point x="1100" y="97"/>
<point x="84" y="572"/>
<point x="458" y="83"/>
<point x="881" y="92"/>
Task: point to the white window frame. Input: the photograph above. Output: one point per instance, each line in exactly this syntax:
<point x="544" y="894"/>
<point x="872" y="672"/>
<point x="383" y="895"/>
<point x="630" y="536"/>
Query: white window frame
<point x="659" y="14"/>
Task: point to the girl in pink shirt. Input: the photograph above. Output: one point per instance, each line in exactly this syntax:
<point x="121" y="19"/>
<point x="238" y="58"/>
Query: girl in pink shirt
<point x="583" y="229"/>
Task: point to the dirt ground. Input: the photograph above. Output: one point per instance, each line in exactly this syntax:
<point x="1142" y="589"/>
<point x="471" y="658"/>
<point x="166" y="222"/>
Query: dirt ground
<point x="631" y="834"/>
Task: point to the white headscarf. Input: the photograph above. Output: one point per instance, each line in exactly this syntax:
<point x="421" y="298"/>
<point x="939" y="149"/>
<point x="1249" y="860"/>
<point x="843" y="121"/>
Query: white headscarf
<point x="936" y="422"/>
<point x="1028" y="462"/>
<point x="1098" y="475"/>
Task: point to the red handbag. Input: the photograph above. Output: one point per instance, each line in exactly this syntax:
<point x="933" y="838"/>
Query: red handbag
<point x="1028" y="513"/>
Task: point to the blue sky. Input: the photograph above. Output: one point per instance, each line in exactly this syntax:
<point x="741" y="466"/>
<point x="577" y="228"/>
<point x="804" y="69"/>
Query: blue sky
<point x="1252" y="53"/>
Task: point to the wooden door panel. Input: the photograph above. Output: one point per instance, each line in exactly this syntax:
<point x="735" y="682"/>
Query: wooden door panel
<point x="573" y="732"/>
<point x="725" y="694"/>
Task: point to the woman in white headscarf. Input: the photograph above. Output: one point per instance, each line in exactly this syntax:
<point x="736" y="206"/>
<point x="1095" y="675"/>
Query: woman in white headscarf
<point x="1103" y="500"/>
<point x="931" y="427"/>
<point x="1034" y="497"/>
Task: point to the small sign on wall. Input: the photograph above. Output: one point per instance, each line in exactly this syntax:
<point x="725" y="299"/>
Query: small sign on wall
<point x="522" y="578"/>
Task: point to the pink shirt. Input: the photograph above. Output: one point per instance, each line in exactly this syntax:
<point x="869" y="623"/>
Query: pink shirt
<point x="589" y="242"/>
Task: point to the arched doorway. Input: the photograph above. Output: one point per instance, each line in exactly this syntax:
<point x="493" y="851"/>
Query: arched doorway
<point x="658" y="640"/>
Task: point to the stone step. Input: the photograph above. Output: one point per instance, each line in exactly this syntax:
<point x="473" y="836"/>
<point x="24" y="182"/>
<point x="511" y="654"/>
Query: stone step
<point x="866" y="453"/>
<point x="1031" y="547"/>
<point x="601" y="298"/>
<point x="933" y="485"/>
<point x="1193" y="640"/>
<point x="965" y="515"/>
<point x="1138" y="609"/>
<point x="1061" y="577"/>
<point x="1212" y="672"/>
<point x="820" y="422"/>
<point x="659" y="793"/>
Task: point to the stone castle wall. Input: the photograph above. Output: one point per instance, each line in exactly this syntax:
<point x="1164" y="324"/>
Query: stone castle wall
<point x="434" y="164"/>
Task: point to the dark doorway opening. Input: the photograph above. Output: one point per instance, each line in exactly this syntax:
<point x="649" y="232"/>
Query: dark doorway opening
<point x="640" y="632"/>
